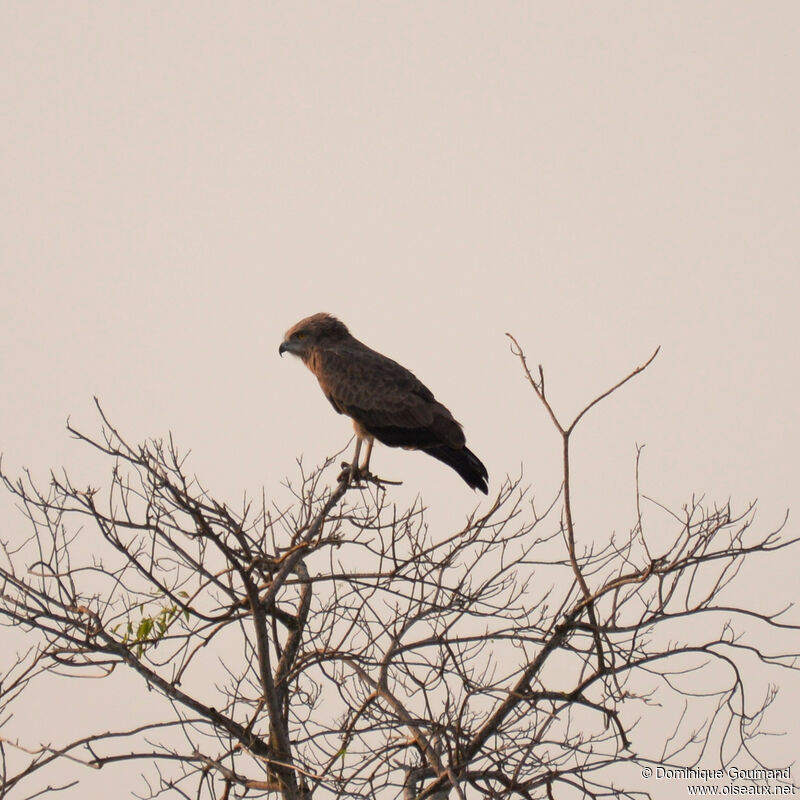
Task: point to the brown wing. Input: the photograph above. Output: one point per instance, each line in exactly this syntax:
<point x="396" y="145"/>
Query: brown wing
<point x="385" y="398"/>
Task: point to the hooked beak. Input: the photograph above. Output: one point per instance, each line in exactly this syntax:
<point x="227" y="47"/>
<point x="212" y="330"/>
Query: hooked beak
<point x="282" y="349"/>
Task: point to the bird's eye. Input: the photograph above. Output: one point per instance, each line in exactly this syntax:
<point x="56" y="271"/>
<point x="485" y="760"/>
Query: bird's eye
<point x="300" y="335"/>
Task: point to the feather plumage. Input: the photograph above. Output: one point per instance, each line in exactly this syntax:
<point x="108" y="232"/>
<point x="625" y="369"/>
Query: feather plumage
<point x="385" y="400"/>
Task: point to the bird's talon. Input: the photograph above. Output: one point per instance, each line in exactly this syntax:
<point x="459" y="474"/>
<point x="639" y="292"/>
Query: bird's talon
<point x="381" y="483"/>
<point x="355" y="477"/>
<point x="351" y="475"/>
<point x="346" y="473"/>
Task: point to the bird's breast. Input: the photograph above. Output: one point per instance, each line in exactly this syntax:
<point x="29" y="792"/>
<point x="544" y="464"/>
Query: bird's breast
<point x="313" y="361"/>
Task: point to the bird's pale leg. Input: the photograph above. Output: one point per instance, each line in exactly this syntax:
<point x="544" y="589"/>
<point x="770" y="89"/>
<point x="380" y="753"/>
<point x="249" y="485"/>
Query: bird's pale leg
<point x="354" y="471"/>
<point x="364" y="468"/>
<point x="366" y="475"/>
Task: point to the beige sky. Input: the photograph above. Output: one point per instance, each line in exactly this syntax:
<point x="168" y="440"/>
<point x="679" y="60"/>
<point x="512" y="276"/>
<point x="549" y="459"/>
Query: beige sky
<point x="182" y="181"/>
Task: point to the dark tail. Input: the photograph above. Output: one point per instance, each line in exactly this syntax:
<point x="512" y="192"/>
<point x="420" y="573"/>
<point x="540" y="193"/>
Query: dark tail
<point x="464" y="462"/>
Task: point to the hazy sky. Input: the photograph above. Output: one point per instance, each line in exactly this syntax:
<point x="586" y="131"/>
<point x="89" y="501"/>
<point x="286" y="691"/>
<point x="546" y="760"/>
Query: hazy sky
<point x="181" y="181"/>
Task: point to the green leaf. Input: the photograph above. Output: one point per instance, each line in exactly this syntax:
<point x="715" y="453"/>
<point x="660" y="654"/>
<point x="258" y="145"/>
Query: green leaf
<point x="143" y="631"/>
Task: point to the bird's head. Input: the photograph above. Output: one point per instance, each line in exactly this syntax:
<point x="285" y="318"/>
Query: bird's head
<point x="314" y="331"/>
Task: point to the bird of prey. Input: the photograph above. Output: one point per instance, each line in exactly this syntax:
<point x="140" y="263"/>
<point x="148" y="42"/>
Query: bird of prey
<point x="386" y="401"/>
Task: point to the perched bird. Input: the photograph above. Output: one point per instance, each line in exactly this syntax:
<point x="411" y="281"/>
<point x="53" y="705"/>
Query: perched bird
<point x="385" y="401"/>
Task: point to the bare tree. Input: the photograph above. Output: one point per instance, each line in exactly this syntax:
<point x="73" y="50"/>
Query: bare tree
<point x="357" y="655"/>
